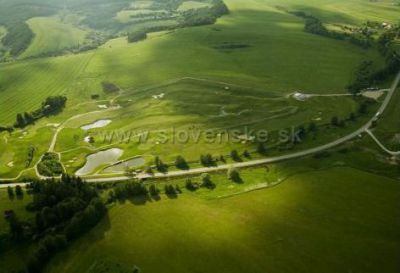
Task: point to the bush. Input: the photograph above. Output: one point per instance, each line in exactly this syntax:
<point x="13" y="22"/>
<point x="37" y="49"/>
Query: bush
<point x="206" y="181"/>
<point x="50" y="166"/>
<point x="234" y="175"/>
<point x="181" y="163"/>
<point x="109" y="87"/>
<point x="137" y="36"/>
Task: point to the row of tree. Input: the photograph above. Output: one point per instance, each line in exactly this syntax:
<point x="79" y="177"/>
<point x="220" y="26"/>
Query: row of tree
<point x="315" y="26"/>
<point x="51" y="106"/>
<point x="366" y="74"/>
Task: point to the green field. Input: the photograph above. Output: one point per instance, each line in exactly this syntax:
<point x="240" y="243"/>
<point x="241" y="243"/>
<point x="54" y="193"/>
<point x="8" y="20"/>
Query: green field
<point x="149" y="63"/>
<point x="314" y="222"/>
<point x="277" y="61"/>
<point x="53" y="35"/>
<point x="257" y="68"/>
<point x="188" y="5"/>
<point x="220" y="110"/>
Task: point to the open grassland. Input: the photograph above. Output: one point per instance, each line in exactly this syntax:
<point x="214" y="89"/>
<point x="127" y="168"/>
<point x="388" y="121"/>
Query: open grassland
<point x="212" y="107"/>
<point x="258" y="46"/>
<point x="273" y="52"/>
<point x="350" y="12"/>
<point x="313" y="222"/>
<point x="52" y="35"/>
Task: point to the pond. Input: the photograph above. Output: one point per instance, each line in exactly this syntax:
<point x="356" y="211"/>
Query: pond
<point x="121" y="166"/>
<point x="97" y="124"/>
<point x="93" y="161"/>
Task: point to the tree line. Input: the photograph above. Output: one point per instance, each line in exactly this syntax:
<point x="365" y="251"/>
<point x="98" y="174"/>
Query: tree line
<point x="366" y="75"/>
<point x="193" y="17"/>
<point x="315" y="26"/>
<point x="51" y="106"/>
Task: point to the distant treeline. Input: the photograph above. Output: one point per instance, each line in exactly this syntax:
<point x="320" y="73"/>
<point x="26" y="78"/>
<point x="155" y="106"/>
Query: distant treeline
<point x="204" y="16"/>
<point x="18" y="38"/>
<point x="315" y="26"/>
<point x="192" y="17"/>
<point x="366" y="75"/>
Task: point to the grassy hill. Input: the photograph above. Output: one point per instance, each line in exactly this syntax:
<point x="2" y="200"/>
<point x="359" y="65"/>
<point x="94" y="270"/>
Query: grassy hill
<point x="277" y="55"/>
<point x="258" y="45"/>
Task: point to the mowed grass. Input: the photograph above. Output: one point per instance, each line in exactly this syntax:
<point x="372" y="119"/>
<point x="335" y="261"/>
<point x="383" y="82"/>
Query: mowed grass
<point x="212" y="107"/>
<point x="280" y="57"/>
<point x="53" y="35"/>
<point x="337" y="220"/>
<point x="24" y="85"/>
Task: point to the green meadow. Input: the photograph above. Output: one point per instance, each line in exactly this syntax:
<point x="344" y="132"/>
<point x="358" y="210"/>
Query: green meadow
<point x="335" y="211"/>
<point x="336" y="220"/>
<point x="280" y="58"/>
<point x="53" y="34"/>
<point x="258" y="47"/>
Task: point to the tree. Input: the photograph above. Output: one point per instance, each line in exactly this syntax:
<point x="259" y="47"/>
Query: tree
<point x="363" y="108"/>
<point x="153" y="190"/>
<point x="235" y="155"/>
<point x="207" y="160"/>
<point x="206" y="181"/>
<point x="261" y="148"/>
<point x="181" y="163"/>
<point x="189" y="185"/>
<point x="169" y="190"/>
<point x="335" y="121"/>
<point x="234" y="175"/>
<point x="18" y="191"/>
<point x="160" y="166"/>
<point x="352" y="116"/>
<point x="10" y="192"/>
<point x="246" y="154"/>
<point x="29" y="119"/>
<point x="16" y="227"/>
<point x="20" y="121"/>
<point x="312" y="127"/>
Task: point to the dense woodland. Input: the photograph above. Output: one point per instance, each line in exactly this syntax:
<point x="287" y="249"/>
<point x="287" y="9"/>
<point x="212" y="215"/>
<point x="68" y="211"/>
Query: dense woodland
<point x="63" y="210"/>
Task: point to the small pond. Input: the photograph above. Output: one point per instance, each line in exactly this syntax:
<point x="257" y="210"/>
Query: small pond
<point x="93" y="161"/>
<point x="121" y="166"/>
<point x="97" y="124"/>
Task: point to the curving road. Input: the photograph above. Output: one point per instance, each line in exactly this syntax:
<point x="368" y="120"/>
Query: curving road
<point x="252" y="163"/>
